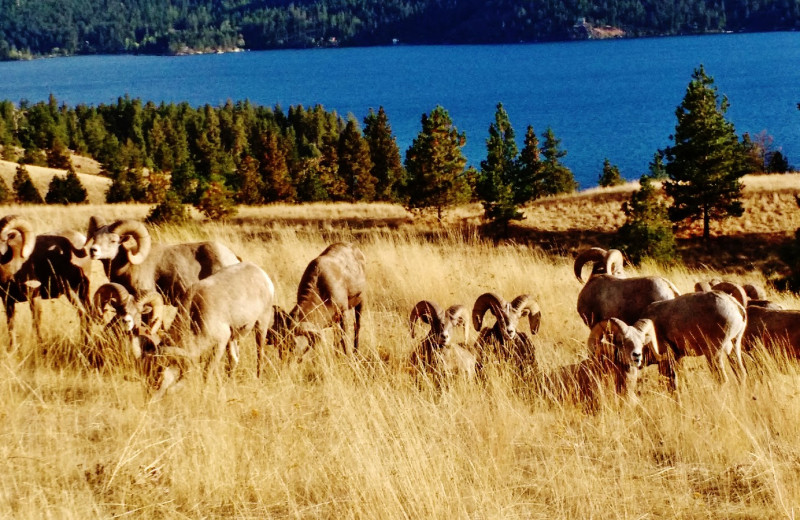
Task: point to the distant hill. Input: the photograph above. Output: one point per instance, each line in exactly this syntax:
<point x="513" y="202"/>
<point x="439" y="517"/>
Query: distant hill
<point x="96" y="186"/>
<point x="65" y="27"/>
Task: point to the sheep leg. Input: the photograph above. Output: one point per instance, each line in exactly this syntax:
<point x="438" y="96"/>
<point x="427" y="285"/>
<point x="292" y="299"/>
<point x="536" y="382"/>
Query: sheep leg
<point x="717" y="365"/>
<point x="357" y="324"/>
<point x="12" y="336"/>
<point x="667" y="367"/>
<point x="261" y="336"/>
<point x="233" y="355"/>
<point x="35" y="303"/>
<point x="216" y="357"/>
<point x="339" y="332"/>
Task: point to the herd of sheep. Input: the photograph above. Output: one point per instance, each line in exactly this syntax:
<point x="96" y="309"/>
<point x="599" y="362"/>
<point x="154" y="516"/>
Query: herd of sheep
<point x="633" y="322"/>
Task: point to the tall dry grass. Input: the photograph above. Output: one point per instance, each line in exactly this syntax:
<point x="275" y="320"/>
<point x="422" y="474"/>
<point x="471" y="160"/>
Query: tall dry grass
<point x="360" y="437"/>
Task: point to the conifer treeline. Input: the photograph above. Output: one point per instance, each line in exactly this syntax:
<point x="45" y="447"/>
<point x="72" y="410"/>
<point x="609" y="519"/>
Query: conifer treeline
<point x="261" y="154"/>
<point x="176" y="26"/>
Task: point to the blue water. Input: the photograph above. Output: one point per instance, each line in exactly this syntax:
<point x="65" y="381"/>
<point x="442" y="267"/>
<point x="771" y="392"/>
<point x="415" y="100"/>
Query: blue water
<point x="613" y="99"/>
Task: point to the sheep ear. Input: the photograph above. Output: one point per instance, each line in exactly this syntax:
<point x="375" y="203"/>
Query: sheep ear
<point x="95" y="223"/>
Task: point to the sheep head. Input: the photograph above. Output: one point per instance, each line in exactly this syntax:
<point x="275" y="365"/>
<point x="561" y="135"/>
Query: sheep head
<point x="281" y="333"/>
<point x="442" y="322"/>
<point x="622" y="344"/>
<point x="732" y="289"/>
<point x="105" y="242"/>
<point x="141" y="318"/>
<point x="16" y="244"/>
<point x="603" y="262"/>
<point x="506" y="314"/>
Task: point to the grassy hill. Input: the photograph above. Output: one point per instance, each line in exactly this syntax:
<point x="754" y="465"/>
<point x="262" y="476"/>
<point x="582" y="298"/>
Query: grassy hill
<point x="86" y="169"/>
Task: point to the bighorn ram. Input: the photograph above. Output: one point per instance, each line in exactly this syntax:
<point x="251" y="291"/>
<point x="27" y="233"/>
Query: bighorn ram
<point x="333" y="283"/>
<point x="748" y="294"/>
<point x="131" y="260"/>
<point x="608" y="294"/>
<point x="700" y="323"/>
<point x="435" y="352"/>
<point x="503" y="338"/>
<point x="34" y="267"/>
<point x="768" y="323"/>
<point x="617" y="352"/>
<point x="137" y="318"/>
<point x="219" y="310"/>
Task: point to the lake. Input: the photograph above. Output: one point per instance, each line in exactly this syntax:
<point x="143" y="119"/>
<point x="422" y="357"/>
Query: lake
<point x="611" y="98"/>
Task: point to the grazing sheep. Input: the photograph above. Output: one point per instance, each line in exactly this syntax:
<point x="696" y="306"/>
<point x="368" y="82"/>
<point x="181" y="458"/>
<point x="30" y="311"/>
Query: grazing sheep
<point x="435" y="352"/>
<point x="617" y="352"/>
<point x="748" y="294"/>
<point x="130" y="259"/>
<point x="35" y="267"/>
<point x="137" y="318"/>
<point x="503" y="338"/>
<point x="700" y="323"/>
<point x="333" y="283"/>
<point x="608" y="294"/>
<point x="773" y="328"/>
<point x="219" y="310"/>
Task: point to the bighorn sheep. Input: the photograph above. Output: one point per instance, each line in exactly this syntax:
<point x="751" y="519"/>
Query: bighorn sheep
<point x="503" y="338"/>
<point x="608" y="294"/>
<point x="137" y="318"/>
<point x="219" y="310"/>
<point x="700" y="323"/>
<point x="34" y="267"/>
<point x="129" y="258"/>
<point x="617" y="351"/>
<point x="748" y="294"/>
<point x="333" y="283"/>
<point x="768" y="323"/>
<point x="435" y="352"/>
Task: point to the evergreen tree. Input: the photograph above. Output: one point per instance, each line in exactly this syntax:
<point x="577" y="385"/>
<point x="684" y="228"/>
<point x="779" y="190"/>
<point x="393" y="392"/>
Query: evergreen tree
<point x="251" y="186"/>
<point x="387" y="165"/>
<point x="66" y="190"/>
<point x="435" y="164"/>
<point x="706" y="163"/>
<point x="647" y="232"/>
<point x="24" y="190"/>
<point x="355" y="165"/>
<point x="529" y="168"/>
<point x="171" y="210"/>
<point x="777" y="163"/>
<point x="127" y="186"/>
<point x="610" y="175"/>
<point x="276" y="181"/>
<point x="495" y="182"/>
<point x="58" y="155"/>
<point x="656" y="167"/>
<point x="555" y="178"/>
<point x="5" y="194"/>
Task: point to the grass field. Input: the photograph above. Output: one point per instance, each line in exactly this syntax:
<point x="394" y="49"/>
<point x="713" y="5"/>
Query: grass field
<point x="361" y="437"/>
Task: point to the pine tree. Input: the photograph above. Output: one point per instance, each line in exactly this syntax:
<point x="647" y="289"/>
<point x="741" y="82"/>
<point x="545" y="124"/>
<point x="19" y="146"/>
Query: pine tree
<point x="387" y="165"/>
<point x="66" y="190"/>
<point x="495" y="182"/>
<point x="555" y="177"/>
<point x="656" y="166"/>
<point x="647" y="232"/>
<point x="276" y="181"/>
<point x="355" y="165"/>
<point x="706" y="163"/>
<point x="58" y="155"/>
<point x="527" y="182"/>
<point x="5" y="194"/>
<point x="610" y="175"/>
<point x="435" y="164"/>
<point x="24" y="190"/>
<point x="251" y="186"/>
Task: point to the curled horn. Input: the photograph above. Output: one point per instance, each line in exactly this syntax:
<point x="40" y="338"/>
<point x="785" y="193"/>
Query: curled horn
<point x="734" y="290"/>
<point x="598" y="337"/>
<point x="525" y="305"/>
<point x="108" y="292"/>
<point x="156" y="303"/>
<point x="594" y="255"/>
<point x="487" y="301"/>
<point x="614" y="262"/>
<point x="138" y="246"/>
<point x="427" y="311"/>
<point x="754" y="292"/>
<point x="459" y="317"/>
<point x="21" y="225"/>
<point x="649" y="331"/>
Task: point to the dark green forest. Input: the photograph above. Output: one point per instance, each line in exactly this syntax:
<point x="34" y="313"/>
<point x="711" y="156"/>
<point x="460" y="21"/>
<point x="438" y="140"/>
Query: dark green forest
<point x="65" y="27"/>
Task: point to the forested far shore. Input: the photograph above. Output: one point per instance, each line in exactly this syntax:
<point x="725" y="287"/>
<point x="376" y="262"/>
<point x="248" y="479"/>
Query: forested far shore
<point x="68" y="27"/>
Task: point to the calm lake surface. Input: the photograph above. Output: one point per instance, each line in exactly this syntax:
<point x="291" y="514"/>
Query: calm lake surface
<point x="613" y="99"/>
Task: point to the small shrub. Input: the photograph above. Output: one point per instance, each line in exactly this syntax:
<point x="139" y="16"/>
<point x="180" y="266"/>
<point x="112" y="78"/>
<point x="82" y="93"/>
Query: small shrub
<point x="171" y="210"/>
<point x="66" y="190"/>
<point x="216" y="202"/>
<point x="647" y="232"/>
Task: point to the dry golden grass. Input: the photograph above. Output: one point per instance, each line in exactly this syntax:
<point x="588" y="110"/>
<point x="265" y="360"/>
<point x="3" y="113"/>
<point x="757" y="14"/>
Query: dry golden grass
<point x="336" y="437"/>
